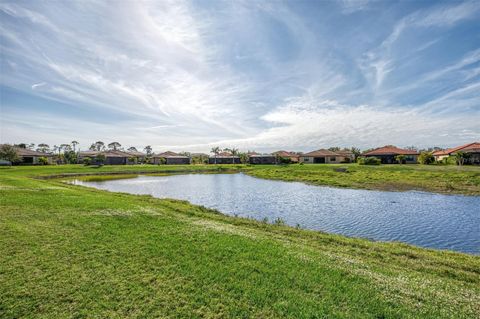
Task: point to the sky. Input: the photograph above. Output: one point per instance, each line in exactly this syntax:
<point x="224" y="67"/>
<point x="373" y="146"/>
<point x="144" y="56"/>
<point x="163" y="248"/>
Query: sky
<point x="255" y="75"/>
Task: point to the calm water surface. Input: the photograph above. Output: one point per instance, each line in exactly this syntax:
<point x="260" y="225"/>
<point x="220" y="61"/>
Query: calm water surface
<point x="419" y="218"/>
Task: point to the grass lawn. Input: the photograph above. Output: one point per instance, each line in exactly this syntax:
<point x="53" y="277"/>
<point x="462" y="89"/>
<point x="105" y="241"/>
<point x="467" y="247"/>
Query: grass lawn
<point x="440" y="179"/>
<point x="74" y="252"/>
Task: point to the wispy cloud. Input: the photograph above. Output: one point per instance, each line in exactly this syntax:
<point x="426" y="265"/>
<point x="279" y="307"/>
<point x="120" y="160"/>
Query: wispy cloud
<point x="182" y="74"/>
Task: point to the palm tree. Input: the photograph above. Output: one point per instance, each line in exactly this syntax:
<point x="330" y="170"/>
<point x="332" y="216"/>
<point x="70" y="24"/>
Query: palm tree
<point x="215" y="150"/>
<point x="74" y="145"/>
<point x="234" y="152"/>
<point x="114" y="145"/>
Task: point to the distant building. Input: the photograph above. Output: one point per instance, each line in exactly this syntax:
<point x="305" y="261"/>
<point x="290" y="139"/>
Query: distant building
<point x="293" y="157"/>
<point x="262" y="159"/>
<point x="31" y="157"/>
<point x="388" y="153"/>
<point x="112" y="157"/>
<point x="170" y="158"/>
<point x="324" y="156"/>
<point x="473" y="149"/>
<point x="224" y="158"/>
<point x="139" y="156"/>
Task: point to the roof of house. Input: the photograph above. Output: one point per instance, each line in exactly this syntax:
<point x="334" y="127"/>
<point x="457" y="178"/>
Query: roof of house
<point x="135" y="153"/>
<point x="109" y="153"/>
<point x="169" y="154"/>
<point x="391" y="150"/>
<point x="320" y="152"/>
<point x="471" y="147"/>
<point x="344" y="152"/>
<point x="262" y="155"/>
<point x="285" y="154"/>
<point x="27" y="152"/>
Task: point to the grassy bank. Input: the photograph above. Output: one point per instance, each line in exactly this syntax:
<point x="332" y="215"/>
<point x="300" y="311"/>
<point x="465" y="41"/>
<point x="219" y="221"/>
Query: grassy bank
<point x="440" y="179"/>
<point x="69" y="251"/>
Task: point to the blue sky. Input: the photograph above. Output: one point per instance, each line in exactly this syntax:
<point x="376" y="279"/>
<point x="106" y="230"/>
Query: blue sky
<point x="263" y="75"/>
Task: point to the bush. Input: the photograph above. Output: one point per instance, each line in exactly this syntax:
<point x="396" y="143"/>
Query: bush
<point x="42" y="160"/>
<point x="131" y="160"/>
<point x="100" y="159"/>
<point x="369" y="161"/>
<point x="426" y="158"/>
<point x="87" y="161"/>
<point x="162" y="161"/>
<point x="9" y="153"/>
<point x="401" y="159"/>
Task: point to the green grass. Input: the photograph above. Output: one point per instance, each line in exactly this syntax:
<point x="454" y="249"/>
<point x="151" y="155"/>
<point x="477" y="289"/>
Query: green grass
<point x="75" y="252"/>
<point x="440" y="179"/>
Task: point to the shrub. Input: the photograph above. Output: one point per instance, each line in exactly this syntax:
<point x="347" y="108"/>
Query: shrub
<point x="401" y="159"/>
<point x="87" y="161"/>
<point x="461" y="157"/>
<point x="369" y="161"/>
<point x="162" y="161"/>
<point x="100" y="159"/>
<point x="9" y="153"/>
<point x="131" y="160"/>
<point x="426" y="158"/>
<point x="42" y="160"/>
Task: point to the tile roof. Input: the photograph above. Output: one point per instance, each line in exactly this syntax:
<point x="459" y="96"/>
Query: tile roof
<point x="109" y="153"/>
<point x="27" y="152"/>
<point x="391" y="150"/>
<point x="321" y="152"/>
<point x="169" y="154"/>
<point x="285" y="154"/>
<point x="475" y="146"/>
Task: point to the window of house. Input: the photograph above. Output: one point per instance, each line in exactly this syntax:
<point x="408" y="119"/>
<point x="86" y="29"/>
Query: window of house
<point x="333" y="159"/>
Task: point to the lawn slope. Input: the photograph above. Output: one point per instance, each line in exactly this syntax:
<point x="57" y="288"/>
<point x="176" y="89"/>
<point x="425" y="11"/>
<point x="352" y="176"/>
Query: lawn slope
<point x="69" y="251"/>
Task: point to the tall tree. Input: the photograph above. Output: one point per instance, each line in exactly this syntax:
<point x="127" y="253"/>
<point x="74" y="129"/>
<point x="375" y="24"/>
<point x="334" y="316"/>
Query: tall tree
<point x="148" y="150"/>
<point x="99" y="146"/>
<point x="74" y="145"/>
<point x="356" y="152"/>
<point x="114" y="146"/>
<point x="31" y="146"/>
<point x="234" y="152"/>
<point x="132" y="149"/>
<point x="215" y="150"/>
<point x="44" y="148"/>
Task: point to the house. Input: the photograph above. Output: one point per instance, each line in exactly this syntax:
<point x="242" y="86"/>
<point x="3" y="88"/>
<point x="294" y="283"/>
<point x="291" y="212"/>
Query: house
<point x="262" y="159"/>
<point x="224" y="158"/>
<point x="388" y="153"/>
<point x="170" y="158"/>
<point x="324" y="156"/>
<point x="139" y="156"/>
<point x="32" y="157"/>
<point x="293" y="157"/>
<point x="112" y="157"/>
<point x="473" y="149"/>
<point x="348" y="156"/>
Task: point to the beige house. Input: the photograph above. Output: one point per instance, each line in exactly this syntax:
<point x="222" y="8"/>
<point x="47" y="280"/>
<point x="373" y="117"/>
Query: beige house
<point x="31" y="157"/>
<point x="324" y="156"/>
<point x="473" y="149"/>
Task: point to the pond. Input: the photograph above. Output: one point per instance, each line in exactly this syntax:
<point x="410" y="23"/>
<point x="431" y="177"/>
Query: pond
<point x="419" y="218"/>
